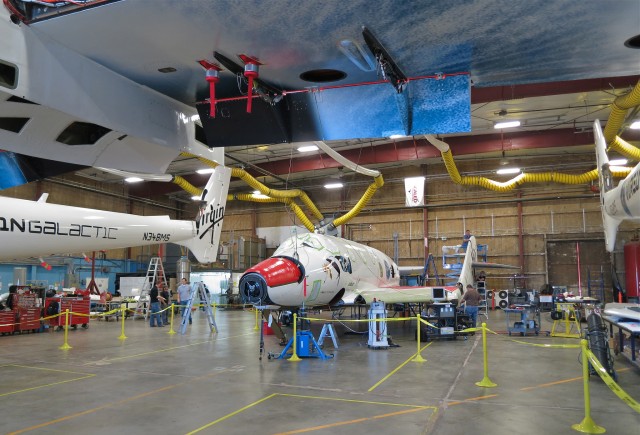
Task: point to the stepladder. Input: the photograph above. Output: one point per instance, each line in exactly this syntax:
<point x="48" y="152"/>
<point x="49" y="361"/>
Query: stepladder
<point x="427" y="275"/>
<point x="328" y="331"/>
<point x="155" y="277"/>
<point x="198" y="291"/>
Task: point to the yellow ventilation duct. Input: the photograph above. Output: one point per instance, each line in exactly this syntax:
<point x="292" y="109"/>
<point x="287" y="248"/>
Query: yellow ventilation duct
<point x="288" y="201"/>
<point x="619" y="109"/>
<point x="273" y="193"/>
<point x="377" y="183"/>
<point x="185" y="185"/>
<point x="543" y="177"/>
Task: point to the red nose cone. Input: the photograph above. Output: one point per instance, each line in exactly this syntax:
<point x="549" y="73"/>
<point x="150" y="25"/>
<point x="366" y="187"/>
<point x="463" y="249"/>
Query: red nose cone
<point x="277" y="271"/>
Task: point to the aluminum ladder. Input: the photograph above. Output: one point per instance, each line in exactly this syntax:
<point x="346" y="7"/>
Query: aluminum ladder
<point x="155" y="275"/>
<point x="198" y="289"/>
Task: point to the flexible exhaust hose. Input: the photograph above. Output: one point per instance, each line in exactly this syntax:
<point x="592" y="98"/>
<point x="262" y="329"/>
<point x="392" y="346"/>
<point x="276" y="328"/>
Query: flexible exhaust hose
<point x="274" y="193"/>
<point x="346" y="162"/>
<point x="288" y="201"/>
<point x="619" y="109"/>
<point x="377" y="183"/>
<point x="543" y="177"/>
<point x="185" y="185"/>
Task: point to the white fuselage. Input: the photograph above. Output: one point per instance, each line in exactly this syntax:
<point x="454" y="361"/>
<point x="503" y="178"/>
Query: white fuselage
<point x="623" y="202"/>
<point x="29" y="228"/>
<point x="331" y="264"/>
<point x="618" y="203"/>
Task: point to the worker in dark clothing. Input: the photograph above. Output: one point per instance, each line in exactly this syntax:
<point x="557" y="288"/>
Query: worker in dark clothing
<point x="471" y="300"/>
<point x="165" y="301"/>
<point x="154" y="301"/>
<point x="13" y="292"/>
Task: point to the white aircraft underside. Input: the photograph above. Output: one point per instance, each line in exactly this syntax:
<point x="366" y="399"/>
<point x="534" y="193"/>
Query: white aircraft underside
<point x="148" y="130"/>
<point x="133" y="67"/>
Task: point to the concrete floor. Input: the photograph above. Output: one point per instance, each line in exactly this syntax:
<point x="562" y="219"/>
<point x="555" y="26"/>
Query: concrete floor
<point x="154" y="382"/>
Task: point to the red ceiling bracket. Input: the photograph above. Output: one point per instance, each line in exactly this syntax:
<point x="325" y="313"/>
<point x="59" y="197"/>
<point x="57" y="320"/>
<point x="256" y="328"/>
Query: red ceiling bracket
<point x="212" y="76"/>
<point x="251" y="72"/>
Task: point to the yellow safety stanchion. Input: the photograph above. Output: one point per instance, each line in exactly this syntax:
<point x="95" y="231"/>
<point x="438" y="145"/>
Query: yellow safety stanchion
<point x="418" y="357"/>
<point x="171" y="331"/>
<point x="615" y="388"/>
<point x="66" y="346"/>
<point x="214" y="311"/>
<point x="485" y="382"/>
<point x="255" y="328"/>
<point x="587" y="425"/>
<point x="122" y="314"/>
<point x="294" y="355"/>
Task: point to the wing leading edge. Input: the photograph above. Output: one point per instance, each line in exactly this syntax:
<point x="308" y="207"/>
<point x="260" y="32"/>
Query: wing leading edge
<point x="481" y="265"/>
<point x="402" y="295"/>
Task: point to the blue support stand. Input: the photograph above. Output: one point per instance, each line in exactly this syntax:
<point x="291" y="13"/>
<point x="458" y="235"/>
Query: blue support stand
<point x="307" y="347"/>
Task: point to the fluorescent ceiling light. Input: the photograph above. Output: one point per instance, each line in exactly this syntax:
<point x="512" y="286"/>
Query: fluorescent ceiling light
<point x="195" y="198"/>
<point x="506" y="124"/>
<point x="260" y="195"/>
<point x="396" y="136"/>
<point x="619" y="168"/>
<point x="333" y="185"/>
<point x="205" y="171"/>
<point x="635" y="125"/>
<point x="133" y="179"/>
<point x="256" y="192"/>
<point x="307" y="148"/>
<point x="618" y="162"/>
<point x="508" y="171"/>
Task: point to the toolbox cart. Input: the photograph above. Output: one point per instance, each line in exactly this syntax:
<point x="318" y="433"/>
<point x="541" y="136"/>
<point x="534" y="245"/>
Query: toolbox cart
<point x="523" y="319"/>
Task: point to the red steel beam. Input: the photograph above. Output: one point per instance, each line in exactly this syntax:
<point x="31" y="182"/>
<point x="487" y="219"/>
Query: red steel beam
<point x="501" y="93"/>
<point x="420" y="149"/>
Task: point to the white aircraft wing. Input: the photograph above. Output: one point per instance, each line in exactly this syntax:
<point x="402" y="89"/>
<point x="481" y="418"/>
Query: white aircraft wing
<point x="401" y="295"/>
<point x="410" y="270"/>
<point x="481" y="265"/>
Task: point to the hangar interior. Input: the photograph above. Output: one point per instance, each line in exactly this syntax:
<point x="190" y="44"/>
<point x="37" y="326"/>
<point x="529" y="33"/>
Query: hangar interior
<point x="243" y="361"/>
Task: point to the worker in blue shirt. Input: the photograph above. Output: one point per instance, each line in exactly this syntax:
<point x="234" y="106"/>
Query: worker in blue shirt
<point x="465" y="239"/>
<point x="184" y="295"/>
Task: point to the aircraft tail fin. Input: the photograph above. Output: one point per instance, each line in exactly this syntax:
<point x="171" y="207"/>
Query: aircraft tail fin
<point x="606" y="186"/>
<point x="471" y="256"/>
<point x="208" y="224"/>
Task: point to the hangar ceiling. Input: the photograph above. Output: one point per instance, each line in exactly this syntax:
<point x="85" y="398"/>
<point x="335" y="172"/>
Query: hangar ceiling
<point x="555" y="66"/>
<point x="554" y="123"/>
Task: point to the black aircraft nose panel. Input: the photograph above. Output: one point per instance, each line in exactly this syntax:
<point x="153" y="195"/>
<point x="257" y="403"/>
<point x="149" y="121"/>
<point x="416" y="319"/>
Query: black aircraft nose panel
<point x="254" y="290"/>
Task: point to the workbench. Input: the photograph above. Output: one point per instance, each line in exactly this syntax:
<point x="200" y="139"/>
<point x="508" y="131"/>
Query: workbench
<point x="633" y="330"/>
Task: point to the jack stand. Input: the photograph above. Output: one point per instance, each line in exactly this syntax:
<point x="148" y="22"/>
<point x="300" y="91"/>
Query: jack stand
<point x="307" y="347"/>
<point x="377" y="326"/>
